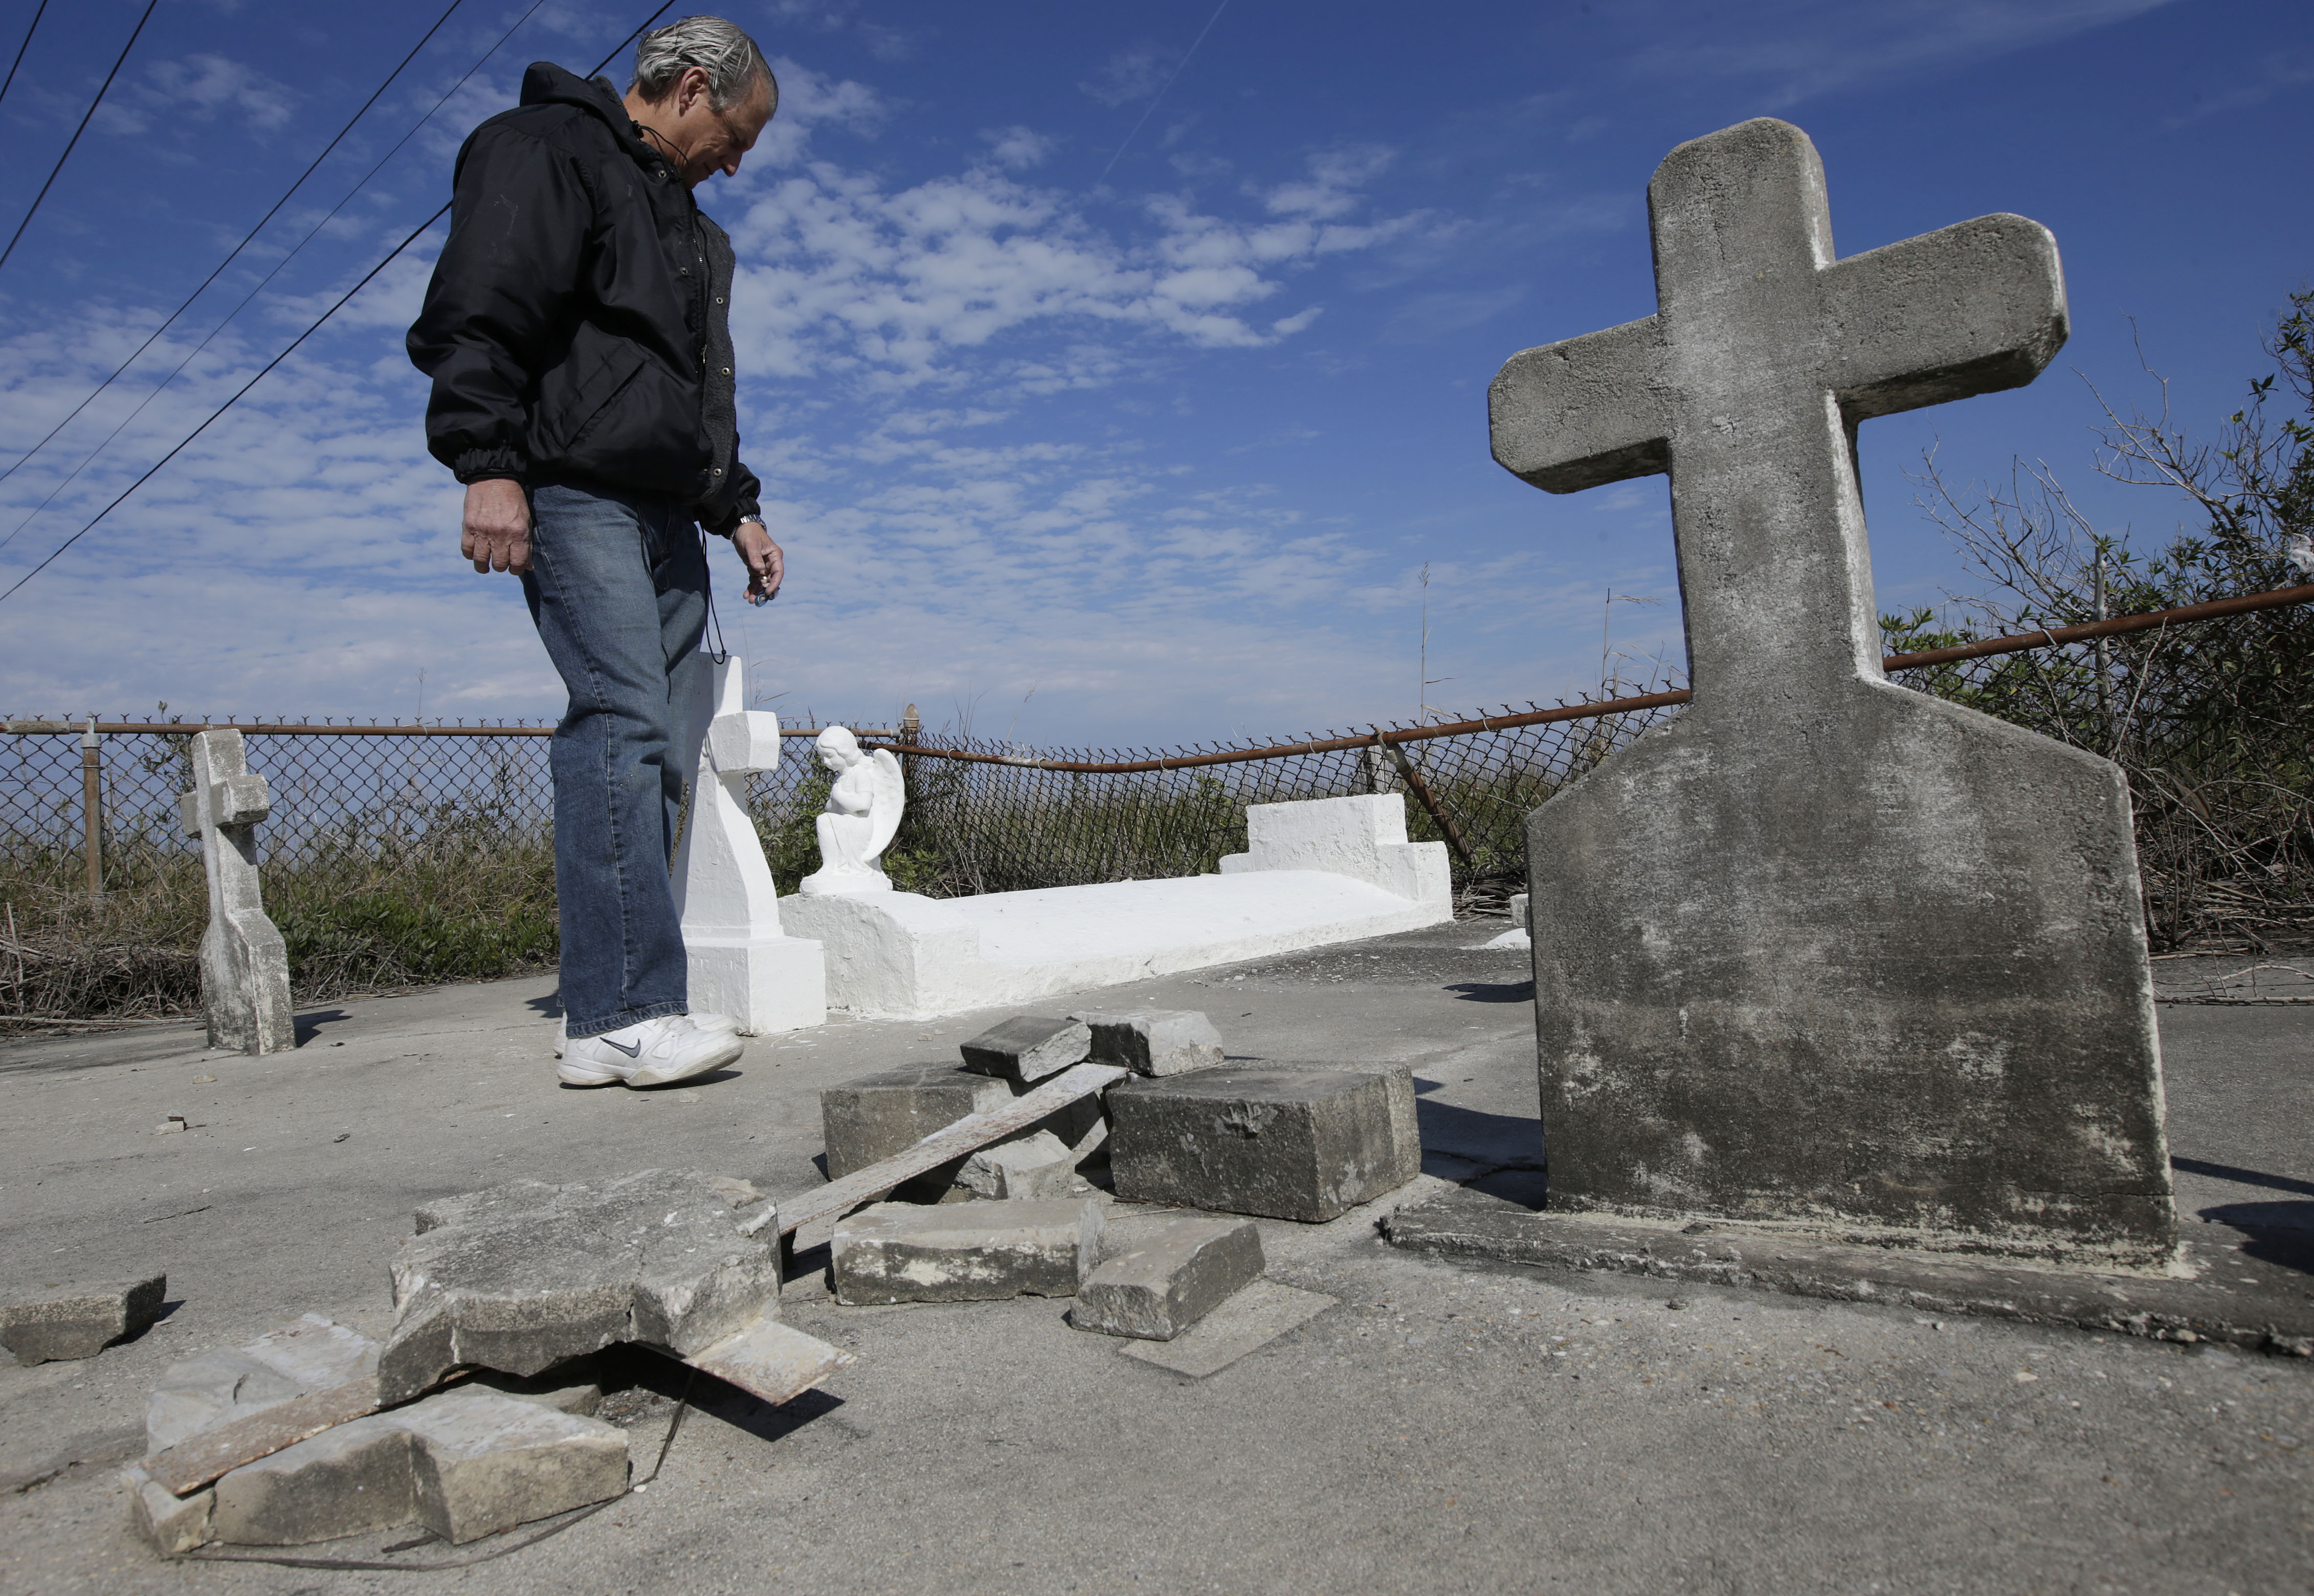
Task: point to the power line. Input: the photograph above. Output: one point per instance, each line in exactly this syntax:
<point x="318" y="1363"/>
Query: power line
<point x="310" y="233"/>
<point x="1145" y="115"/>
<point x="227" y="405"/>
<point x="247" y="240"/>
<point x="21" y="48"/>
<point x="312" y="328"/>
<point x="75" y="140"/>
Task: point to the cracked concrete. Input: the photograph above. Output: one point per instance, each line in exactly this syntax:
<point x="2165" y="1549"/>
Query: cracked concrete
<point x="1442" y="1428"/>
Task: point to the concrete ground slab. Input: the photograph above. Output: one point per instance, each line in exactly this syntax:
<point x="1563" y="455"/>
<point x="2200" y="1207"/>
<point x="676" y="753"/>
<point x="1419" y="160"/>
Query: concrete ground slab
<point x="1524" y="1429"/>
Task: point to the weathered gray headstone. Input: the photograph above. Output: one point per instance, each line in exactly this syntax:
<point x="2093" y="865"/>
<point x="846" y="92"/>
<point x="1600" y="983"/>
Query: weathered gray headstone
<point x="1170" y="1278"/>
<point x="80" y="1321"/>
<point x="966" y="1252"/>
<point x="1823" y="948"/>
<point x="1303" y="1142"/>
<point x="244" y="963"/>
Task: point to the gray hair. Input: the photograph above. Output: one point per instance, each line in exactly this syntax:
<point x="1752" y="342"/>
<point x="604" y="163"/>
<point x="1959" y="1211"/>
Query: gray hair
<point x="727" y="55"/>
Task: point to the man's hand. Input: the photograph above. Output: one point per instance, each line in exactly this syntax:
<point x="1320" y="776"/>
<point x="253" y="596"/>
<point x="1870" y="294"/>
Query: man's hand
<point x="767" y="565"/>
<point x="497" y="525"/>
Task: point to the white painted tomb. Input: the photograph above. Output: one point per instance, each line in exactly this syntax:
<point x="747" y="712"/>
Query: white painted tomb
<point x="1317" y="872"/>
<point x="740" y="964"/>
<point x="244" y="963"/>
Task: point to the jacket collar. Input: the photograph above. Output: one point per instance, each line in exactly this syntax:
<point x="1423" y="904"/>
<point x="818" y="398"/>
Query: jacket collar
<point x="545" y="83"/>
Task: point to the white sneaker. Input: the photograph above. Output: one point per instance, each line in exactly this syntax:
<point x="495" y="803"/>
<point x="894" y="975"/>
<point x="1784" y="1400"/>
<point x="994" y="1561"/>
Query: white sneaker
<point x="705" y="1022"/>
<point x="652" y="1053"/>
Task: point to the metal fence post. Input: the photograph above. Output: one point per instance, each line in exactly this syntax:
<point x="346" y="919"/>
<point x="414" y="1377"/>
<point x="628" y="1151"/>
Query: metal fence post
<point x="92" y="807"/>
<point x="1412" y="776"/>
<point x="910" y="728"/>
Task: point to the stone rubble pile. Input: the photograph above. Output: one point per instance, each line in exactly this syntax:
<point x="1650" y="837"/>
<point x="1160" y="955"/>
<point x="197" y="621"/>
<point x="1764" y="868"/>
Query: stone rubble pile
<point x="503" y="1296"/>
<point x="1185" y="1129"/>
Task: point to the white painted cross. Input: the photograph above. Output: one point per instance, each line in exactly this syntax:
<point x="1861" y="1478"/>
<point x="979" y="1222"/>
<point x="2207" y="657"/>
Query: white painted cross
<point x="739" y="963"/>
<point x="244" y="963"/>
<point x="1748" y="382"/>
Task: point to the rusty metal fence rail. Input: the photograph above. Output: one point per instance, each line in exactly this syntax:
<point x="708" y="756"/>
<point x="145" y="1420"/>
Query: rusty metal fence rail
<point x="2207" y="708"/>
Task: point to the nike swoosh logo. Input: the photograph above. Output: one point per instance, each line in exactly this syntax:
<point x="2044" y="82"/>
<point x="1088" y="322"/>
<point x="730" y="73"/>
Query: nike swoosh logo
<point x="634" y="1050"/>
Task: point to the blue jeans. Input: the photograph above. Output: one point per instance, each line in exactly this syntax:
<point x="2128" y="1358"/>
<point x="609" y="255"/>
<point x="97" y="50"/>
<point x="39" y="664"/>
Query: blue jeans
<point x="618" y="586"/>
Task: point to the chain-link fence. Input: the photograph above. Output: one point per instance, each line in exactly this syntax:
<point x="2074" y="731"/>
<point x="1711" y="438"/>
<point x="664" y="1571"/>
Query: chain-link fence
<point x="415" y="852"/>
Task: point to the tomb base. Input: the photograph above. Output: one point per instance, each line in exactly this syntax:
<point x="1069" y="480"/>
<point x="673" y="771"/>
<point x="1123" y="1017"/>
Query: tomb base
<point x="1318" y="872"/>
<point x="1495" y="1220"/>
<point x="764" y="983"/>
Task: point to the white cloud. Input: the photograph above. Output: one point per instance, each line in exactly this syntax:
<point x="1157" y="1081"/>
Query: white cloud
<point x="1018" y="147"/>
<point x="1131" y="74"/>
<point x="841" y="276"/>
<point x="1799" y="48"/>
<point x="200" y="85"/>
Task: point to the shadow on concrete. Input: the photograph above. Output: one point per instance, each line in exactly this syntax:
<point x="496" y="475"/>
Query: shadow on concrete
<point x="712" y="1077"/>
<point x="720" y="1399"/>
<point x="309" y="1025"/>
<point x="2278" y="1233"/>
<point x="1492" y="991"/>
<point x="549" y="1007"/>
<point x="2279" y="1183"/>
<point x="1493" y="1140"/>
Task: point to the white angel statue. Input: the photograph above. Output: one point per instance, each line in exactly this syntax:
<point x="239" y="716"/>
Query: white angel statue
<point x="863" y="815"/>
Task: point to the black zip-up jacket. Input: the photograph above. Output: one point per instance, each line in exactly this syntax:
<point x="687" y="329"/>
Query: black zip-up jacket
<point x="577" y="327"/>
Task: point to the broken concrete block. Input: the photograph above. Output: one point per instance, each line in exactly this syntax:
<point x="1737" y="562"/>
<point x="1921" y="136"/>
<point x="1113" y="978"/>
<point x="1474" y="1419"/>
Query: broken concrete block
<point x="529" y="1275"/>
<point x="1288" y="1141"/>
<point x="216" y="1411"/>
<point x="217" y="1388"/>
<point x="873" y="1118"/>
<point x="1518" y="908"/>
<point x="772" y="1362"/>
<point x="1155" y="1042"/>
<point x="343" y="1481"/>
<point x="1170" y="1278"/>
<point x="1034" y="1167"/>
<point x="482" y="1463"/>
<point x="80" y="1321"/>
<point x="1029" y="1047"/>
<point x="970" y="1252"/>
<point x="173" y="1524"/>
<point x="466" y="1463"/>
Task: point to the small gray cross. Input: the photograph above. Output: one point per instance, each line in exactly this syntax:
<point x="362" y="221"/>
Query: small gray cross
<point x="1748" y="383"/>
<point x="244" y="963"/>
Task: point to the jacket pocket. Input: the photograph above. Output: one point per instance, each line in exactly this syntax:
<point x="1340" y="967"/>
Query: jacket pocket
<point x="648" y="436"/>
<point x="575" y="397"/>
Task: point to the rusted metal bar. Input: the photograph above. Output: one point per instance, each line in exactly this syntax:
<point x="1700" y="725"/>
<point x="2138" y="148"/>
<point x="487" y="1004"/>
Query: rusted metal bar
<point x="2280" y="598"/>
<point x="2049" y="638"/>
<point x="91" y="807"/>
<point x="1411" y="774"/>
<point x="2119" y="626"/>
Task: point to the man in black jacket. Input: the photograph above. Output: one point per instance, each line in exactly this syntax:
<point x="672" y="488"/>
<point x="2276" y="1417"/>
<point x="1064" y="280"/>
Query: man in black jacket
<point x="576" y="330"/>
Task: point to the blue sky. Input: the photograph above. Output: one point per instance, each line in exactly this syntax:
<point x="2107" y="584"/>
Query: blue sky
<point x="1087" y="415"/>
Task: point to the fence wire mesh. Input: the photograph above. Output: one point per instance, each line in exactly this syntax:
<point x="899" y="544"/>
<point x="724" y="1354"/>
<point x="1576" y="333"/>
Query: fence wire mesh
<point x="425" y="852"/>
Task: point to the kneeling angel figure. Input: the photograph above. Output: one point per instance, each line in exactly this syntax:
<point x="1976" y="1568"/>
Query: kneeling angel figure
<point x="862" y="815"/>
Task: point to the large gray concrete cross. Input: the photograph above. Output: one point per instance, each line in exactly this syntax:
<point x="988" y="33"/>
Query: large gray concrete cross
<point x="1822" y="949"/>
<point x="1748" y="385"/>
